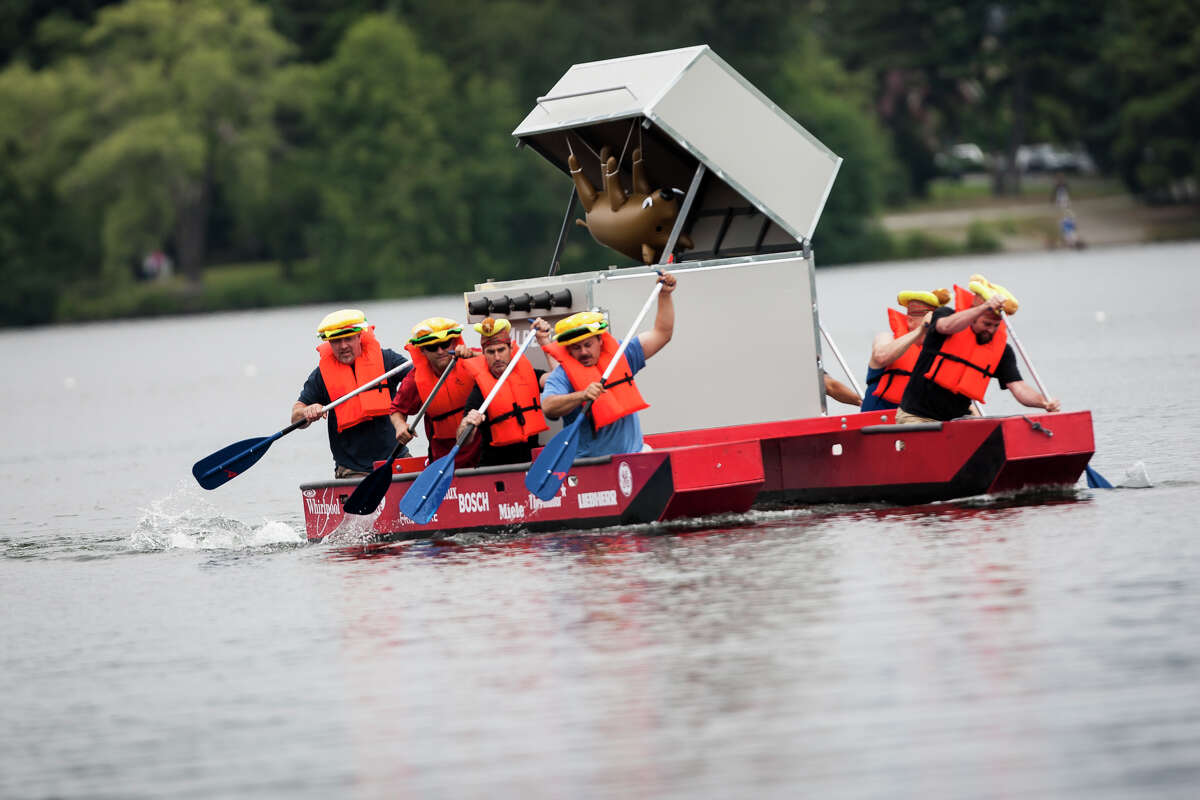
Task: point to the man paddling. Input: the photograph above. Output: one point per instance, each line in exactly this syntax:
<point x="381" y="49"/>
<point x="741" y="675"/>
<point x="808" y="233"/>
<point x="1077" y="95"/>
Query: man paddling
<point x="349" y="356"/>
<point x="584" y="348"/>
<point x="434" y="343"/>
<point x="894" y="352"/>
<point x="962" y="352"/>
<point x="514" y="419"/>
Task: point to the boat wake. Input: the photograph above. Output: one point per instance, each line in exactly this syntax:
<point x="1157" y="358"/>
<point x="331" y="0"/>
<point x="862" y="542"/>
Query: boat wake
<point x="184" y="520"/>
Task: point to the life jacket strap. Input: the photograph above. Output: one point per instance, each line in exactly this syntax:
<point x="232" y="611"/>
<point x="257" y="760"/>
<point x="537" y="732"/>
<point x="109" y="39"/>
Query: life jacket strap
<point x="951" y="357"/>
<point x="517" y="411"/>
<point x="611" y="383"/>
<point x="450" y="413"/>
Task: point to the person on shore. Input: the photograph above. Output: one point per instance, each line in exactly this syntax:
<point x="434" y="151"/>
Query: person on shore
<point x="894" y="352"/>
<point x="514" y="419"/>
<point x="349" y="356"/>
<point x="584" y="348"/>
<point x="433" y="344"/>
<point x="962" y="352"/>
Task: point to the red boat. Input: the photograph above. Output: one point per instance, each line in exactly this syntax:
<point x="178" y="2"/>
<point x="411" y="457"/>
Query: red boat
<point x="866" y="458"/>
<point x="856" y="458"/>
<point x="687" y="481"/>
<point x="756" y="184"/>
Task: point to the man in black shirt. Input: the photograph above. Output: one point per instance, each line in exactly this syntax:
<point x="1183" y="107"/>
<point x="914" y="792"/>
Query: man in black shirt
<point x="360" y="432"/>
<point x="926" y="401"/>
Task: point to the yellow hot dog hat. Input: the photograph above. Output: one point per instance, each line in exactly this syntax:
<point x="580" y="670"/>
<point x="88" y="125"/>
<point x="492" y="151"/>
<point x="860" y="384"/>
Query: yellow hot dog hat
<point x="985" y="289"/>
<point x="579" y="326"/>
<point x="340" y="324"/>
<point x="937" y="298"/>
<point x="492" y="329"/>
<point x="434" y="330"/>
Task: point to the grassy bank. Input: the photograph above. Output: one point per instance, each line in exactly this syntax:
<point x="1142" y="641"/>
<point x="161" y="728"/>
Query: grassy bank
<point x="223" y="287"/>
<point x="975" y="191"/>
<point x="959" y="217"/>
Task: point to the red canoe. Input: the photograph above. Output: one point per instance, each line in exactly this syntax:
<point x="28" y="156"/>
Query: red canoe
<point x="626" y="489"/>
<point x="854" y="458"/>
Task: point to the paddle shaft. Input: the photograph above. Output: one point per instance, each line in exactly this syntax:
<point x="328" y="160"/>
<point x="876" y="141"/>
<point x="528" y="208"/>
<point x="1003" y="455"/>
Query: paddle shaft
<point x="325" y="409"/>
<point x="496" y="389"/>
<point x="632" y="330"/>
<point x="371" y="489"/>
<point x="265" y="443"/>
<point x="624" y="343"/>
<point x="504" y="375"/>
<point x="430" y="487"/>
<point x="1025" y="357"/>
<point x="421" y="411"/>
<point x="1094" y="479"/>
<point x="838" y="354"/>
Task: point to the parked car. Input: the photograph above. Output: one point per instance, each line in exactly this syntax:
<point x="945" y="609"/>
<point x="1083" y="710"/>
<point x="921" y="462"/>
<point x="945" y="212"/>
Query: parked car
<point x="1045" y="157"/>
<point x="961" y="158"/>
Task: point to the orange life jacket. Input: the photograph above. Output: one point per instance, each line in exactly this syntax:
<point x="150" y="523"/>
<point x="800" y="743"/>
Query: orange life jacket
<point x="622" y="396"/>
<point x="963" y="298"/>
<point x="447" y="409"/>
<point x="963" y="365"/>
<point x="895" y="377"/>
<point x="516" y="411"/>
<point x="341" y="379"/>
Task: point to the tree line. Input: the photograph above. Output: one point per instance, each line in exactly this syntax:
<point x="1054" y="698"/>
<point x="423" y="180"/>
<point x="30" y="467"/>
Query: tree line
<point x="364" y="145"/>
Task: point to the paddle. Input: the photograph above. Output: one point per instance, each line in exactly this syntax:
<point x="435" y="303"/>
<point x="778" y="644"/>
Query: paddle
<point x="1094" y="479"/>
<point x="229" y="462"/>
<point x="548" y="472"/>
<point x="423" y="498"/>
<point x="371" y="489"/>
<point x="842" y="361"/>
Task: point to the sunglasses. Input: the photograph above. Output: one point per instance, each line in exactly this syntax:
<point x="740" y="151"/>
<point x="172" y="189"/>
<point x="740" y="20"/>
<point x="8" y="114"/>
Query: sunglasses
<point x="437" y="347"/>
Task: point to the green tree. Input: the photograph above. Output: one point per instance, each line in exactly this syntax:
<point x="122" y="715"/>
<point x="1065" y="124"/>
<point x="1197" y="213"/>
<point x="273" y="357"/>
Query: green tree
<point x="834" y="106"/>
<point x="44" y="241"/>
<point x="1153" y="60"/>
<point x="39" y="250"/>
<point x="420" y="189"/>
<point x="389" y="202"/>
<point x="181" y="102"/>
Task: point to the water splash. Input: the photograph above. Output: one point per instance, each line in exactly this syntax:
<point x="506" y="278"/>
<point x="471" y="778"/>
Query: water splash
<point x="354" y="529"/>
<point x="185" y="520"/>
<point x="1136" y="477"/>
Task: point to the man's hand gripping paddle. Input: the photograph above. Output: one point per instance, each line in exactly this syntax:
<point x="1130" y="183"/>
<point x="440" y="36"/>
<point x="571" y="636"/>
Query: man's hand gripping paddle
<point x="1094" y="479"/>
<point x="548" y="472"/>
<point x="423" y="498"/>
<point x="371" y="489"/>
<point x="229" y="462"/>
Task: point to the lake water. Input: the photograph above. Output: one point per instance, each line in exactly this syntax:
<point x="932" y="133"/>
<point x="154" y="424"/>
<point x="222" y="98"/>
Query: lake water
<point x="162" y="641"/>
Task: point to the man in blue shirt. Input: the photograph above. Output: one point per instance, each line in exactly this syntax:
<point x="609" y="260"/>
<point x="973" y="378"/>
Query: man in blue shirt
<point x="584" y="349"/>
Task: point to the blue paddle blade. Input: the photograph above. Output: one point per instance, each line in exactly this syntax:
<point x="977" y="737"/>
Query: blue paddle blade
<point x="229" y="462"/>
<point x="1095" y="480"/>
<point x="425" y="496"/>
<point x="547" y="473"/>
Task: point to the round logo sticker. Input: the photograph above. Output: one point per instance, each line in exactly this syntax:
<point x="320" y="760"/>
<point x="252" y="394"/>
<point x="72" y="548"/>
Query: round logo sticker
<point x="625" y="478"/>
<point x="310" y="492"/>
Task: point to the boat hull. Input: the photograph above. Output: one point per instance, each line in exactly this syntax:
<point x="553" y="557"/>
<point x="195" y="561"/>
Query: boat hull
<point x="865" y="457"/>
<point x="598" y="492"/>
<point x="852" y="459"/>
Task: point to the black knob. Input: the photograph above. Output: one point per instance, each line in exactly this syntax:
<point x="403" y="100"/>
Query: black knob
<point x="501" y="305"/>
<point x="562" y="298"/>
<point x="521" y="302"/>
<point x="480" y="306"/>
<point x="540" y="300"/>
